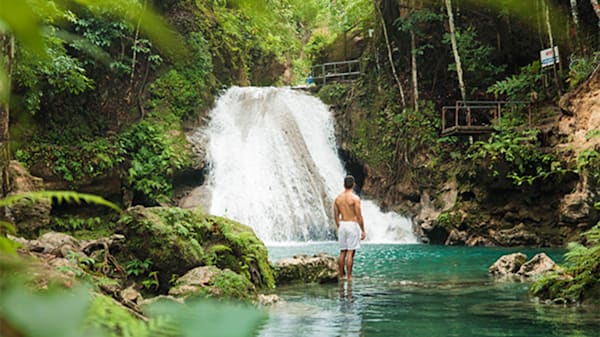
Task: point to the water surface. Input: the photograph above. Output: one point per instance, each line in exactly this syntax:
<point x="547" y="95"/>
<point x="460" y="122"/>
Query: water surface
<point x="421" y="290"/>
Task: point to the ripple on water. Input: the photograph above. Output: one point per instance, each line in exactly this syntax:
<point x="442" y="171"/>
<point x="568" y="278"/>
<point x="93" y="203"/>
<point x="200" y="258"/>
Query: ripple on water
<point x="418" y="291"/>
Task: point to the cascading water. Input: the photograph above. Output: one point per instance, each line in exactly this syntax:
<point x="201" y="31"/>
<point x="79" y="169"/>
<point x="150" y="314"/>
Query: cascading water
<point x="274" y="166"/>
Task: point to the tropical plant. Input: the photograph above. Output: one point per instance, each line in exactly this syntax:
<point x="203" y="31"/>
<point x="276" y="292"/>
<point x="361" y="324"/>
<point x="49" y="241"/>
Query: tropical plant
<point x="520" y="151"/>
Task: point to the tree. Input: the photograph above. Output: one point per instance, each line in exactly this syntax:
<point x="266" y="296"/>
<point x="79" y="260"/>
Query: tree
<point x="7" y="52"/>
<point x="389" y="53"/>
<point x="413" y="62"/>
<point x="459" y="71"/>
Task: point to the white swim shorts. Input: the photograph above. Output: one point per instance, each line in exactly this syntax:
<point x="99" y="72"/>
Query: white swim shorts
<point x="349" y="235"/>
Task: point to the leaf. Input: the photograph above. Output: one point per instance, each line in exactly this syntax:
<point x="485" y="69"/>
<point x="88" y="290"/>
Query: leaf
<point x="60" y="196"/>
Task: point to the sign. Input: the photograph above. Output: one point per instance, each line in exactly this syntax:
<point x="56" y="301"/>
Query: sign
<point x="547" y="58"/>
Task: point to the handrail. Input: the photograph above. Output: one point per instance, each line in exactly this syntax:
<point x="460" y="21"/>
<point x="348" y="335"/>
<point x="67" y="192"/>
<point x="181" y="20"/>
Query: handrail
<point x="335" y="69"/>
<point x="463" y="115"/>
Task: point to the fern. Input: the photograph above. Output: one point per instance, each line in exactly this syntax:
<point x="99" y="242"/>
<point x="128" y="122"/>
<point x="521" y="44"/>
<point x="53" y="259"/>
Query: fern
<point x="59" y="197"/>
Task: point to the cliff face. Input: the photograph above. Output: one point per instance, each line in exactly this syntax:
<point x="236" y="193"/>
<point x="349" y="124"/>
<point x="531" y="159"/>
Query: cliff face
<point x="455" y="203"/>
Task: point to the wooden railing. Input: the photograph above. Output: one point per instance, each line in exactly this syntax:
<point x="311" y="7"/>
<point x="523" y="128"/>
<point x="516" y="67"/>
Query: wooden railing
<point x="335" y="71"/>
<point x="476" y="117"/>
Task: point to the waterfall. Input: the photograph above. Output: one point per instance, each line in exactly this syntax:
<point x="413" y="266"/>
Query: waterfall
<point x="273" y="165"/>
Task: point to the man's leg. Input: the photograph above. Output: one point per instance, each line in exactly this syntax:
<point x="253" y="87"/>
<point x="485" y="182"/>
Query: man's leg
<point x="350" y="263"/>
<point x="341" y="262"/>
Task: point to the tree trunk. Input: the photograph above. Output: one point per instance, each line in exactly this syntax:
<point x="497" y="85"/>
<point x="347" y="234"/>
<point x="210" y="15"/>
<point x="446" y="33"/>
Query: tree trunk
<point x="413" y="59"/>
<point x="390" y="57"/>
<point x="551" y="40"/>
<point x="415" y="78"/>
<point x="459" y="71"/>
<point x="7" y="51"/>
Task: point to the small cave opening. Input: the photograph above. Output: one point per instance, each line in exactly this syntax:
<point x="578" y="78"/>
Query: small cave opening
<point x="354" y="167"/>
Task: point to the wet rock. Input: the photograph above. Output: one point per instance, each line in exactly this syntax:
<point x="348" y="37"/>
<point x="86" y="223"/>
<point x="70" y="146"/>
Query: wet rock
<point x="538" y="265"/>
<point x="508" y="264"/>
<point x="319" y="268"/>
<point x="28" y="216"/>
<point x="266" y="300"/>
<point x="211" y="281"/>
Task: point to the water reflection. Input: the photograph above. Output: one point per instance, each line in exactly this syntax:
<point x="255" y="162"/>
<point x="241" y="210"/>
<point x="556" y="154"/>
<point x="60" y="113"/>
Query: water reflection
<point x="350" y="323"/>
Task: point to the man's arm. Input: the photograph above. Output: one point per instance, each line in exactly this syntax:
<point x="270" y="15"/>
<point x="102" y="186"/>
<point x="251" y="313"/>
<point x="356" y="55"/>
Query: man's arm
<point x="359" y="218"/>
<point x="336" y="214"/>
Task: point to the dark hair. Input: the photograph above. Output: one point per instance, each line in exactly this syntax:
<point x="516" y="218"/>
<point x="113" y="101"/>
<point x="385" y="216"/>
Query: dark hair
<point x="349" y="181"/>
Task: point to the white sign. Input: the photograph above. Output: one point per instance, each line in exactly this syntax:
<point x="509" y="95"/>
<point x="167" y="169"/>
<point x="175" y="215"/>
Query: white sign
<point x="547" y="58"/>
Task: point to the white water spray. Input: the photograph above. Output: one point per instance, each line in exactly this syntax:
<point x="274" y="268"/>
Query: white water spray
<point x="274" y="166"/>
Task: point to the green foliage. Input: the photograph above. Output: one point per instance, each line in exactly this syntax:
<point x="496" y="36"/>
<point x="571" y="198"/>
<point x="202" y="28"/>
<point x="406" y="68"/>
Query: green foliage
<point x="154" y="153"/>
<point x="78" y="312"/>
<point x="136" y="267"/>
<point x="589" y="159"/>
<point x="580" y="68"/>
<point x="57" y="74"/>
<point x="89" y="158"/>
<point x="580" y="280"/>
<point x="334" y="93"/>
<point x="476" y="59"/>
<point x="518" y="155"/>
<point x="58" y="197"/>
<point x="521" y="86"/>
<point x="182" y="90"/>
<point x="23" y="18"/>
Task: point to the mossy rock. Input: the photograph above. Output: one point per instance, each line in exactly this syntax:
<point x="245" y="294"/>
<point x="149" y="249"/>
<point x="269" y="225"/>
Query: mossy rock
<point x="176" y="240"/>
<point x="210" y="281"/>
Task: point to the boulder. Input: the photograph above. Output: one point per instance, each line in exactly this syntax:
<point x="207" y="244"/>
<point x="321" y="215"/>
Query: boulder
<point x="456" y="238"/>
<point x="319" y="268"/>
<point x="516" y="236"/>
<point x="28" y="216"/>
<point x="538" y="265"/>
<point x="211" y="281"/>
<point x="508" y="264"/>
<point x="177" y="240"/>
<point x="54" y="243"/>
<point x="476" y="240"/>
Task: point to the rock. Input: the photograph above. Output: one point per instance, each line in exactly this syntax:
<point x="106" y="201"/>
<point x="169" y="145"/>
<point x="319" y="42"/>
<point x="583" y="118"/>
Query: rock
<point x="508" y="264"/>
<point x="456" y="238"/>
<point x="577" y="207"/>
<point x="476" y="240"/>
<point x="58" y="244"/>
<point x="211" y="281"/>
<point x="433" y="232"/>
<point x="319" y="268"/>
<point x="266" y="300"/>
<point x="516" y="236"/>
<point x="29" y="217"/>
<point x="538" y="265"/>
<point x="177" y="240"/>
<point x="130" y="294"/>
<point x="160" y="298"/>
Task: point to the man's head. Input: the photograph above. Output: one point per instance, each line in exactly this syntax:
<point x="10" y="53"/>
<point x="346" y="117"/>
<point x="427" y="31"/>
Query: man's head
<point x="349" y="182"/>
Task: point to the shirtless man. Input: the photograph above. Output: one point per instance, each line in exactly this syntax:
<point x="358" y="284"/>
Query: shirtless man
<point x="350" y="226"/>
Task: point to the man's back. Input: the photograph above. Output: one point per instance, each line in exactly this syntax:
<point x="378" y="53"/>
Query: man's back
<point x="348" y="205"/>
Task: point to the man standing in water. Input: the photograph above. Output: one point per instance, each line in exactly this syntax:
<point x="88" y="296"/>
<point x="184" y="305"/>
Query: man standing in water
<point x="350" y="226"/>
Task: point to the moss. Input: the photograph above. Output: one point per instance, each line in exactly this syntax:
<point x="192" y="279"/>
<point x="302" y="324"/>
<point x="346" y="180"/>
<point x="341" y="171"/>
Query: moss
<point x="177" y="240"/>
<point x="106" y="315"/>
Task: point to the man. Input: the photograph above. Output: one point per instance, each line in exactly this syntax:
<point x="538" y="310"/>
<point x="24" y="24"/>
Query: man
<point x="350" y="226"/>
